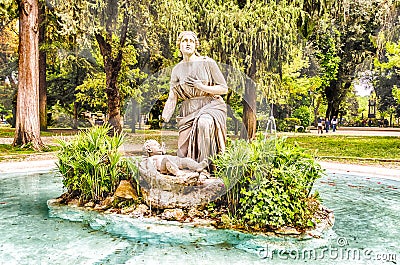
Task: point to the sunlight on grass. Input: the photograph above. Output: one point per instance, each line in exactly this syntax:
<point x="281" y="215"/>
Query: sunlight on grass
<point x="378" y="147"/>
<point x="7" y="150"/>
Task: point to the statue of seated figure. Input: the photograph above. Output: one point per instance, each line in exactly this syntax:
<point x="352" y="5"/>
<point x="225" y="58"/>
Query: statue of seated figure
<point x="168" y="164"/>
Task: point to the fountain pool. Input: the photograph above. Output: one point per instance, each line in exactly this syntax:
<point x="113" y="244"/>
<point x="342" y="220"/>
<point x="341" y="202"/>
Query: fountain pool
<point x="366" y="231"/>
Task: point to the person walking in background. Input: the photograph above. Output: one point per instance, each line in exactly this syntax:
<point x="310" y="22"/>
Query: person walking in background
<point x="327" y="123"/>
<point x="319" y="126"/>
<point x="333" y="123"/>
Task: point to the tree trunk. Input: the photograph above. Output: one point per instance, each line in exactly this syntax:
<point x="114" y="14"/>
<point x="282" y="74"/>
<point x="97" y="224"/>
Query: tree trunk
<point x="75" y="116"/>
<point x="231" y="114"/>
<point x="112" y="66"/>
<point x="249" y="112"/>
<point x="114" y="100"/>
<point x="134" y="114"/>
<point x="139" y="117"/>
<point x="335" y="94"/>
<point x="27" y="129"/>
<point x="14" y="108"/>
<point x="42" y="70"/>
<point x="249" y="105"/>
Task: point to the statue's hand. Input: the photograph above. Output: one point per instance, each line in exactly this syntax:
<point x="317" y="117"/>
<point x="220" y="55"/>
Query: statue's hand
<point x="165" y="118"/>
<point x="163" y="148"/>
<point x="193" y="82"/>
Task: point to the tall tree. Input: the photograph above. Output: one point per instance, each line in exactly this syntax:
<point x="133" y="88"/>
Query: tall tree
<point x="69" y="60"/>
<point x="343" y="36"/>
<point x="387" y="77"/>
<point x="112" y="53"/>
<point x="42" y="68"/>
<point x="27" y="130"/>
<point x="106" y="23"/>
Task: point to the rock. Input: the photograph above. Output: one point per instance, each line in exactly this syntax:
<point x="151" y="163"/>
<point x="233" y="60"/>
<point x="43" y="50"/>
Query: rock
<point x="323" y="219"/>
<point x="140" y="211"/>
<point x="73" y="202"/>
<point x="127" y="210"/>
<point x="193" y="212"/>
<point x="108" y="202"/>
<point x="168" y="192"/>
<point x="287" y="230"/>
<point x="173" y="214"/>
<point x="126" y="191"/>
<point x="203" y="176"/>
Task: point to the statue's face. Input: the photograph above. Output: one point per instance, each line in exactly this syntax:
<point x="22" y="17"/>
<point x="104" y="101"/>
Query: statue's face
<point x="153" y="147"/>
<point x="188" y="44"/>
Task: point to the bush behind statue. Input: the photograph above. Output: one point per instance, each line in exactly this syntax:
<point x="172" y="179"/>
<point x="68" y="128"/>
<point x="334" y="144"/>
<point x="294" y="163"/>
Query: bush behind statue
<point x="91" y="165"/>
<point x="303" y="113"/>
<point x="288" y="124"/>
<point x="269" y="183"/>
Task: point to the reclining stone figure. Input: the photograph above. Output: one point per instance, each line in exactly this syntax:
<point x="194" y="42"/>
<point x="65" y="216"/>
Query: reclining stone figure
<point x="168" y="164"/>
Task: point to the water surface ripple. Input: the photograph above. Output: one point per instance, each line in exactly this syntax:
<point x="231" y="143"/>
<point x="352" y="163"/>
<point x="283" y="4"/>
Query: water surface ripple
<point x="367" y="213"/>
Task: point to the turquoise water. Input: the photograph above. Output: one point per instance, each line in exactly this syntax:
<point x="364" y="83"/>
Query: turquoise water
<point x="366" y="230"/>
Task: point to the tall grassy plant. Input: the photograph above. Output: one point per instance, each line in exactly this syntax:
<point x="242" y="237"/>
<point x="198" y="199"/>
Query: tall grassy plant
<point x="268" y="182"/>
<point x="91" y="165"/>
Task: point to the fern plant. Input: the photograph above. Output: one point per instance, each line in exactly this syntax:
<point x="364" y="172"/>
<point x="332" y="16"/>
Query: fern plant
<point x="91" y="164"/>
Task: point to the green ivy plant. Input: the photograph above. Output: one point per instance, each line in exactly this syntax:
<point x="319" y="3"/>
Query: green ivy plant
<point x="92" y="166"/>
<point x="269" y="183"/>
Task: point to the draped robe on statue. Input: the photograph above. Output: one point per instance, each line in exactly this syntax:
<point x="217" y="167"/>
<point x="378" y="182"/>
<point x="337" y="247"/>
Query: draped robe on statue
<point x="202" y="118"/>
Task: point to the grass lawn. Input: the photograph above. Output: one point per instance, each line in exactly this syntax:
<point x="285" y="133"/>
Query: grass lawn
<point x="352" y="147"/>
<point x="9" y="152"/>
<point x="332" y="147"/>
<point x="140" y="137"/>
<point x="8" y="132"/>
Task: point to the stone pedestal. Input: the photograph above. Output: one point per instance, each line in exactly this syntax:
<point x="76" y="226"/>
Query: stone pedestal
<point x="166" y="191"/>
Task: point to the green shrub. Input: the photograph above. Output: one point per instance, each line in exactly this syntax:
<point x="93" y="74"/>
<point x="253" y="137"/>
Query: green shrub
<point x="154" y="124"/>
<point x="268" y="183"/>
<point x="288" y="124"/>
<point x="91" y="165"/>
<point x="304" y="115"/>
<point x="233" y="125"/>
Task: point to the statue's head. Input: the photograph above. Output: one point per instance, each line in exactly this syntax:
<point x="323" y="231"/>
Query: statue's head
<point x="152" y="147"/>
<point x="188" y="42"/>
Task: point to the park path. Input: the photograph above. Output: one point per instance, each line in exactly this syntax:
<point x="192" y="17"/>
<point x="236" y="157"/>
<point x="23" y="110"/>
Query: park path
<point x="356" y="131"/>
<point x="47" y="160"/>
<point x="27" y="166"/>
<point x="362" y="131"/>
<point x="361" y="170"/>
<point x="45" y="139"/>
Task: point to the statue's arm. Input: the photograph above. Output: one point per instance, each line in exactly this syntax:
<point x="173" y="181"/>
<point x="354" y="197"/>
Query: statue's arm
<point x="170" y="105"/>
<point x="214" y="90"/>
<point x="219" y="88"/>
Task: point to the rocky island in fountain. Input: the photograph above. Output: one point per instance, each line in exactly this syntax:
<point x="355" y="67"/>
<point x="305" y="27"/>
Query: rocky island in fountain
<point x="264" y="185"/>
